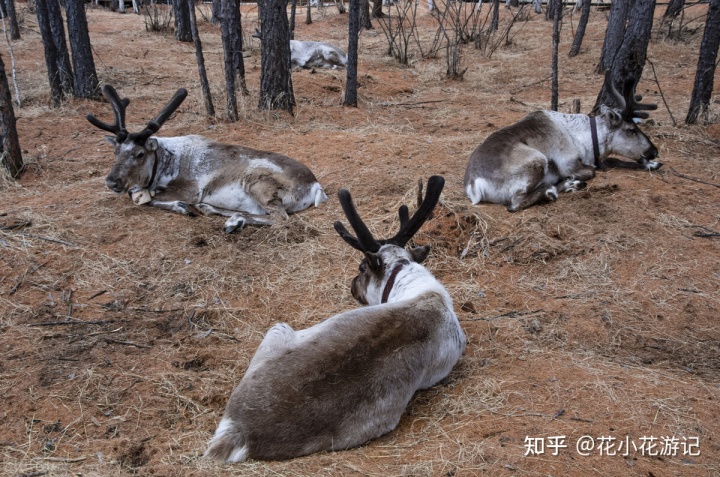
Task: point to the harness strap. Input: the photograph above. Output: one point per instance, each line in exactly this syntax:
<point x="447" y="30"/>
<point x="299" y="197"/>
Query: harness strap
<point x="390" y="283"/>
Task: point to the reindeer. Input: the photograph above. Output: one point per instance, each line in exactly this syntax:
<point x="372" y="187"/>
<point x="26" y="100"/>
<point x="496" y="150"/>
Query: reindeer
<point x="549" y="152"/>
<point x="348" y="379"/>
<point x="193" y="174"/>
<point x="313" y="54"/>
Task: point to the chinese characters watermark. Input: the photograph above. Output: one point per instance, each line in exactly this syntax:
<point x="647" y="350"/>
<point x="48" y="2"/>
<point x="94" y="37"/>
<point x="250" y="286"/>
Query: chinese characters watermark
<point x="649" y="446"/>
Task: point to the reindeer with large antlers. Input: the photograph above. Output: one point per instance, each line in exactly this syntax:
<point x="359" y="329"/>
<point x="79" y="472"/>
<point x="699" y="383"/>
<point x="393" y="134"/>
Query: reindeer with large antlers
<point x="192" y="174"/>
<point x="348" y="379"/>
<point x="549" y="152"/>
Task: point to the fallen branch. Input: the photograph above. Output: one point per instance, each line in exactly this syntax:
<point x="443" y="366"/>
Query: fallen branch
<point x="61" y="459"/>
<point x="679" y="174"/>
<point x="73" y="322"/>
<point x="510" y="314"/>
<point x="48" y="239"/>
<point x="126" y="343"/>
<point x="18" y="225"/>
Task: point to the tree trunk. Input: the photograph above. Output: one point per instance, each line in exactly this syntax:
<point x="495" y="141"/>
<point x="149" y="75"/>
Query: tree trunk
<point x="11" y="157"/>
<point x="86" y="80"/>
<point x="377" y="9"/>
<point x="63" y="55"/>
<point x="51" y="55"/>
<point x="352" y="54"/>
<point x="495" y="22"/>
<point x="228" y="7"/>
<point x="308" y="17"/>
<point x="614" y="33"/>
<point x="276" y="88"/>
<point x="557" y="18"/>
<point x="673" y="9"/>
<point x="365" y="15"/>
<point x="630" y="58"/>
<point x="580" y="32"/>
<point x="293" y="9"/>
<point x="12" y="19"/>
<point x="207" y="97"/>
<point x="182" y="21"/>
<point x="216" y="12"/>
<point x="702" y="90"/>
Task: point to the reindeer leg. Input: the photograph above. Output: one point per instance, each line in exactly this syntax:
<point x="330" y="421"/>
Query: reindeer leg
<point x="542" y="175"/>
<point x="578" y="180"/>
<point x="241" y="219"/>
<point x="176" y="206"/>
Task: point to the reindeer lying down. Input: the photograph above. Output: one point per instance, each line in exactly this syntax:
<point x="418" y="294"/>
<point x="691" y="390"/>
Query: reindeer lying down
<point x="549" y="152"/>
<point x="193" y="174"/>
<point x="349" y="378"/>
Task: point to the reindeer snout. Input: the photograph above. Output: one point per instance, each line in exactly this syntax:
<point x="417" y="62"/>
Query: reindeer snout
<point x="114" y="184"/>
<point x="651" y="153"/>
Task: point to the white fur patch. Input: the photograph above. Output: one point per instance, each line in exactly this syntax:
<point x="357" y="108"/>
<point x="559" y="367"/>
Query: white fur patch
<point x="239" y="455"/>
<point x="263" y="164"/>
<point x="141" y="197"/>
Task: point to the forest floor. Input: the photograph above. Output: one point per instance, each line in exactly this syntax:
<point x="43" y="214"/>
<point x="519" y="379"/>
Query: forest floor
<point x="123" y="329"/>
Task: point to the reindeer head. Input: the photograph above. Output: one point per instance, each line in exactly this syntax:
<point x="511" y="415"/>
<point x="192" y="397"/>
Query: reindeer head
<point x="135" y="161"/>
<point x="384" y="258"/>
<point x="625" y="137"/>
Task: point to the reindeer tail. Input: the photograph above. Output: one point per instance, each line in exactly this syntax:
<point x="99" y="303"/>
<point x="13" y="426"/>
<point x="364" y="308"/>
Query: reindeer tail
<point x="228" y="444"/>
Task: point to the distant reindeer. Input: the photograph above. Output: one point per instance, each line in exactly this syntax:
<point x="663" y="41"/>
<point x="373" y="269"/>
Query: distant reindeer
<point x="313" y="54"/>
<point x="549" y="152"/>
<point x="349" y="378"/>
<point x="193" y="174"/>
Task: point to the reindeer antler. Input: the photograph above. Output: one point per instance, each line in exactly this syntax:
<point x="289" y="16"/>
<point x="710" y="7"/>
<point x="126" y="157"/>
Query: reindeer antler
<point x="628" y="101"/>
<point x="155" y="125"/>
<point x="118" y="106"/>
<point x="409" y="226"/>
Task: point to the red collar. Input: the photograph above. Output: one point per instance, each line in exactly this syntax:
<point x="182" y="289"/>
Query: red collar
<point x="391" y="282"/>
<point x="595" y="144"/>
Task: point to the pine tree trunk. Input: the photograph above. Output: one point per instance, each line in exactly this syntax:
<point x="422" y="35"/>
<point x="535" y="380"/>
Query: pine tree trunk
<point x="63" y="55"/>
<point x="12" y="19"/>
<point x="630" y="58"/>
<point x="293" y="8"/>
<point x="352" y="54"/>
<point x="51" y="56"/>
<point x="377" y="9"/>
<point x="86" y="79"/>
<point x="580" y="32"/>
<point x="216" y="11"/>
<point x="276" y="88"/>
<point x="704" y="82"/>
<point x="614" y="33"/>
<point x="495" y="22"/>
<point x="11" y="157"/>
<point x="182" y="21"/>
<point x="557" y="18"/>
<point x="308" y="17"/>
<point x="207" y="97"/>
<point x="365" y="15"/>
<point x="229" y="49"/>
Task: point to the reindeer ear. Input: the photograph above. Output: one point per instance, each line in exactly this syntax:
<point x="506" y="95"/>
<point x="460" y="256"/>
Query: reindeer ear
<point x="111" y="140"/>
<point x="613" y="117"/>
<point x="151" y="144"/>
<point x="374" y="261"/>
<point x="419" y="254"/>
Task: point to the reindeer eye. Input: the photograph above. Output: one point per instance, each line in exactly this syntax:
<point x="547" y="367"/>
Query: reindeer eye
<point x="363" y="266"/>
<point x="141" y="154"/>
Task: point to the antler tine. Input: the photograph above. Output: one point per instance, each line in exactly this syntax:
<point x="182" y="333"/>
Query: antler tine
<point x="410" y="227"/>
<point x="155" y="125"/>
<point x="364" y="241"/>
<point x="635" y="109"/>
<point x="118" y="106"/>
<point x="613" y="91"/>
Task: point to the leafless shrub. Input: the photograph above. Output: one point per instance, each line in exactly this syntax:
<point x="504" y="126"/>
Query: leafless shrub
<point x="158" y="20"/>
<point x="400" y="29"/>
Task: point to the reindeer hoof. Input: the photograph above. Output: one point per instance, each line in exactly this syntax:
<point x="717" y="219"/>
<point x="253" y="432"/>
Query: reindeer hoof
<point x="234" y="224"/>
<point x="552" y="193"/>
<point x="653" y="165"/>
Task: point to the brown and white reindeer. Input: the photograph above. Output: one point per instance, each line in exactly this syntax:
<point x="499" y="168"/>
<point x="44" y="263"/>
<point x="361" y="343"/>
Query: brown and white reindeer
<point x="313" y="54"/>
<point x="549" y="152"/>
<point x="193" y="174"/>
<point x="348" y="379"/>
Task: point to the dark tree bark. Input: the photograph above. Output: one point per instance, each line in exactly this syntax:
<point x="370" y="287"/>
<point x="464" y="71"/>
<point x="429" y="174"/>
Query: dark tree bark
<point x="630" y="58"/>
<point x="673" y="9"/>
<point x="702" y="90"/>
<point x="377" y="9"/>
<point x="86" y="80"/>
<point x="495" y="22"/>
<point x="276" y="88"/>
<point x="51" y="55"/>
<point x="352" y="54"/>
<point x="207" y="97"/>
<point x="216" y="12"/>
<point x="12" y="19"/>
<point x="9" y="144"/>
<point x="365" y="15"/>
<point x="63" y="55"/>
<point x="229" y="47"/>
<point x="308" y="17"/>
<point x="550" y="9"/>
<point x="614" y="33"/>
<point x="182" y="21"/>
<point x="580" y="32"/>
<point x="293" y="8"/>
<point x="557" y="19"/>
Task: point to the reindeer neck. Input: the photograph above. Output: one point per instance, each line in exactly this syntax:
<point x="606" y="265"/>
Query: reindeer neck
<point x="406" y="280"/>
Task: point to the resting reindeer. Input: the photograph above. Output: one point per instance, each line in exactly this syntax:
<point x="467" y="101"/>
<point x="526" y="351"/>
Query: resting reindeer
<point x="313" y="54"/>
<point x="349" y="378"/>
<point x="549" y="152"/>
<point x="190" y="174"/>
